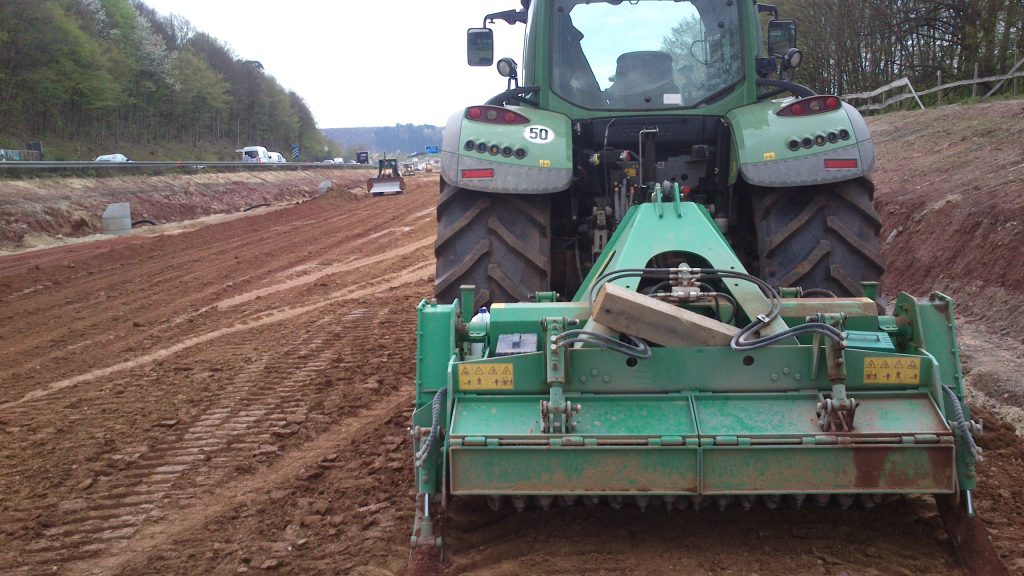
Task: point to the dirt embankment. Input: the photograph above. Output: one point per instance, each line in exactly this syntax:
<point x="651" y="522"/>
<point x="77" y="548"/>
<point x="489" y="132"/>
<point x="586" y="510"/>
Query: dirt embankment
<point x="35" y="212"/>
<point x="951" y="195"/>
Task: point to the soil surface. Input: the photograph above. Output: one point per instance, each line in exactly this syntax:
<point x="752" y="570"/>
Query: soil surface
<point x="234" y="397"/>
<point x="45" y="211"/>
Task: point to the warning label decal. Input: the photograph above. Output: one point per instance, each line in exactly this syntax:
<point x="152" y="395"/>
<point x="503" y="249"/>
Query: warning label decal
<point x="486" y="377"/>
<point x="892" y="371"/>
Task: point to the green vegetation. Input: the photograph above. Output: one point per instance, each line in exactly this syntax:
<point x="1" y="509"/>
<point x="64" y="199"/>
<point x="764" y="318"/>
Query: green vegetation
<point x="858" y="45"/>
<point x="88" y="77"/>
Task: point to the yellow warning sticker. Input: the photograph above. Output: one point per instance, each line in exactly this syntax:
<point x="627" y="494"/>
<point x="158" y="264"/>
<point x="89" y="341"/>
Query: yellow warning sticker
<point x="486" y="377"/>
<point x="768" y="156"/>
<point x="545" y="163"/>
<point x="886" y="370"/>
<point x="631" y="172"/>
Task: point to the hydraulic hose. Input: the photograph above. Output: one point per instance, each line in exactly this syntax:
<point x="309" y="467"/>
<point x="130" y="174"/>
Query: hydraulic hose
<point x="742" y="340"/>
<point x="961" y="424"/>
<point x="639" y="349"/>
<point x="435" y="426"/>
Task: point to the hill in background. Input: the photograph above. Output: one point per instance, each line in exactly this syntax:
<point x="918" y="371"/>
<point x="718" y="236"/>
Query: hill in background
<point x="89" y="77"/>
<point x="397" y="140"/>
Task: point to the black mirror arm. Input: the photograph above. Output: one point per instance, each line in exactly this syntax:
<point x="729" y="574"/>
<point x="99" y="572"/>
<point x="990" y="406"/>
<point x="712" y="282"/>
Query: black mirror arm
<point x="783" y="86"/>
<point x="517" y="94"/>
<point x="509" y="16"/>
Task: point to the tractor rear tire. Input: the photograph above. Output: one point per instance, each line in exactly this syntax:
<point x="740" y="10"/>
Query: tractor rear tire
<point x="819" y="236"/>
<point x="501" y="243"/>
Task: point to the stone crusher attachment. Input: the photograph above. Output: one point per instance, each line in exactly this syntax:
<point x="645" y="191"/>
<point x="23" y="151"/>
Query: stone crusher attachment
<point x="388" y="181"/>
<point x="690" y="386"/>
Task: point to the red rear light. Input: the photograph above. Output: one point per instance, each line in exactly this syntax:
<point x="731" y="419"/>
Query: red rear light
<point x="840" y="163"/>
<point x="495" y="115"/>
<point x="478" y="173"/>
<point x="810" y="106"/>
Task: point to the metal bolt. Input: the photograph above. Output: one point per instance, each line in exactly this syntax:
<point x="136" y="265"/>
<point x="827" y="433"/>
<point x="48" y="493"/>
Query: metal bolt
<point x="797" y="376"/>
<point x="594" y="373"/>
<point x="583" y="379"/>
<point x="607" y="379"/>
<point x="774" y="377"/>
<point x="554" y="365"/>
<point x="785" y="370"/>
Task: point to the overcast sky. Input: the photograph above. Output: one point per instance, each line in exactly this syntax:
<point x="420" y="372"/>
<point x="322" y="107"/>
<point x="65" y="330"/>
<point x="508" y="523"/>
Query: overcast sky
<point x="365" y="63"/>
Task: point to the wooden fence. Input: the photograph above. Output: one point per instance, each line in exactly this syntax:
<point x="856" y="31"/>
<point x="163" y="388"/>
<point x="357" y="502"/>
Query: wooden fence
<point x="869" y="106"/>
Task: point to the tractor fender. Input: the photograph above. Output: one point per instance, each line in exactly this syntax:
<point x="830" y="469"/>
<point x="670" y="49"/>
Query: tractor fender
<point x="761" y="145"/>
<point x="543" y="165"/>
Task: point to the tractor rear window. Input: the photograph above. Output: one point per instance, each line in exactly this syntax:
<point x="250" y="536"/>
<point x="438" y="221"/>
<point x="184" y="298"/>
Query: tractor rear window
<point x="644" y="54"/>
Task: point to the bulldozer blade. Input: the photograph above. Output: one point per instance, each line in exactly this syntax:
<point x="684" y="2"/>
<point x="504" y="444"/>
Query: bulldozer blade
<point x="385" y="186"/>
<point x="971" y="541"/>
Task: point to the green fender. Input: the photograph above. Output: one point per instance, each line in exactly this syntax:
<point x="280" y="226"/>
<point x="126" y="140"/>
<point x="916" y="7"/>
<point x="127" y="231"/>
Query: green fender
<point x="544" y="165"/>
<point x="761" y="147"/>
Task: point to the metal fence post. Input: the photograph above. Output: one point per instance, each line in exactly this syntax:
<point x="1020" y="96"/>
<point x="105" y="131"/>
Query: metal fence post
<point x="938" y="94"/>
<point x="974" y="87"/>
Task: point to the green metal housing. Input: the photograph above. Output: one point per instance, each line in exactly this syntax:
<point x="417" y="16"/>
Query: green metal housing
<point x="503" y="409"/>
<point x="690" y="421"/>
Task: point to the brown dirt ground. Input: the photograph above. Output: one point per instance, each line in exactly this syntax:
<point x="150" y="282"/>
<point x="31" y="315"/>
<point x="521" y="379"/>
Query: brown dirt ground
<point x="234" y="398"/>
<point x="40" y="211"/>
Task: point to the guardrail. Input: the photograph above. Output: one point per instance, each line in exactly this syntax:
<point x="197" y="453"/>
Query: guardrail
<point x="16" y="168"/>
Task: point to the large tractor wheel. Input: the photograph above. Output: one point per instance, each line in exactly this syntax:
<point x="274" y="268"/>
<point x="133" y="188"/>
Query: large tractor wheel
<point x="498" y="242"/>
<point x="819" y="236"/>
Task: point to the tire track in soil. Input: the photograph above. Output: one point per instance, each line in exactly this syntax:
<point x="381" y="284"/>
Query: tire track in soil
<point x="262" y="319"/>
<point x="265" y="402"/>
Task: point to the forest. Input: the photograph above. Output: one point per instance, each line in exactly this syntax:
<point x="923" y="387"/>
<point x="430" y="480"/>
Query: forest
<point x="852" y="46"/>
<point x="114" y="75"/>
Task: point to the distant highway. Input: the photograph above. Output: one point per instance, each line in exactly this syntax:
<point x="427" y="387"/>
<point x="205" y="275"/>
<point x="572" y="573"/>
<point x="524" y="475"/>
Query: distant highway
<point x="90" y="168"/>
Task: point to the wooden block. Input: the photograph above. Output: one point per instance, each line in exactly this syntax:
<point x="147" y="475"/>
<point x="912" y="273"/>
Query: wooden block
<point x="638" y="315"/>
<point x="803" y="307"/>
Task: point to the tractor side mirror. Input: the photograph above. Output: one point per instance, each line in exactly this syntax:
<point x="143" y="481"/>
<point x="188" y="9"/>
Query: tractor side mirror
<point x="480" y="46"/>
<point x="781" y="36"/>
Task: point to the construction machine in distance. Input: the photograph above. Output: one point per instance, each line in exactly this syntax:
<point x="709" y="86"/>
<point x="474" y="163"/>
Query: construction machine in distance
<point x="713" y="224"/>
<point x="388" y="180"/>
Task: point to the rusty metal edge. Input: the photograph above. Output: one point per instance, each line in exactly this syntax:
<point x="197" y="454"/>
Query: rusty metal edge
<point x="972" y="542"/>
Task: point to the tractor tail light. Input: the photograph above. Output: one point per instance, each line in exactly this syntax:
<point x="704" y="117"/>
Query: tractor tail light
<point x="811" y="106"/>
<point x="840" y="163"/>
<point x="495" y="115"/>
<point x="478" y="173"/>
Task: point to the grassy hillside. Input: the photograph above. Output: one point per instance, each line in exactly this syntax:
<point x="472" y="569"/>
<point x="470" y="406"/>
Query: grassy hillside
<point x="88" y="77"/>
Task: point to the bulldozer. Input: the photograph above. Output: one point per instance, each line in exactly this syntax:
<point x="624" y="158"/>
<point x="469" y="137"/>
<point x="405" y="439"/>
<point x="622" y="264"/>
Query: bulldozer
<point x="713" y="223"/>
<point x="388" y="180"/>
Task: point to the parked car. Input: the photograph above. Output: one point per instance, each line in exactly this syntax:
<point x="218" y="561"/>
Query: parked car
<point x="257" y="154"/>
<point x="277" y="157"/>
<point x="339" y="160"/>
<point x="328" y="161"/>
<point x="112" y="158"/>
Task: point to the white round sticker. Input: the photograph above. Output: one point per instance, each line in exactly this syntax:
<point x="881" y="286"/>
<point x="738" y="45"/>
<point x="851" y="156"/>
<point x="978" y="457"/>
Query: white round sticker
<point x="539" y="134"/>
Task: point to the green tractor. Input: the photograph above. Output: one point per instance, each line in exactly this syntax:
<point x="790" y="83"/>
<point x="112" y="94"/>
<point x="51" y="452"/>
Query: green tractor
<point x="714" y="224"/>
<point x="620" y="96"/>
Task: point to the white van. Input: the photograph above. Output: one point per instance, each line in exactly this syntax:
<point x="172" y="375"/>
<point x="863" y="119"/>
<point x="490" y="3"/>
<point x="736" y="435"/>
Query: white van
<point x="277" y="157"/>
<point x="257" y="154"/>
